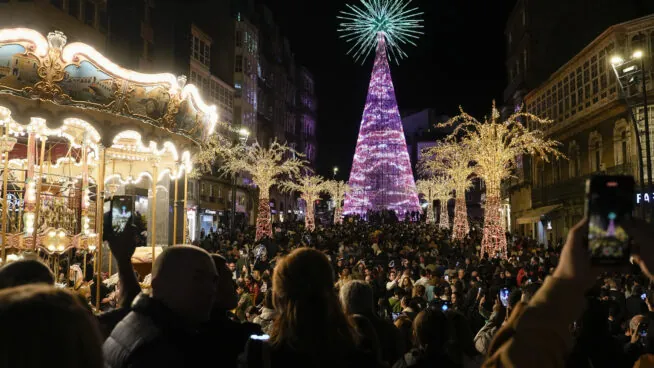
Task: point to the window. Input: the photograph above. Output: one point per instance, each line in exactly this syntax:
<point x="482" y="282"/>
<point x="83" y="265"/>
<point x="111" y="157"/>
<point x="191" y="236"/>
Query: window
<point x="73" y="8"/>
<point x="239" y="39"/>
<point x="595" y="151"/>
<point x="574" y="161"/>
<point x="238" y="64"/>
<point x="524" y="58"/>
<point x="200" y="50"/>
<point x="89" y="13"/>
<point x="149" y="50"/>
<point x="103" y="20"/>
<point x="621" y="142"/>
<point x="623" y="147"/>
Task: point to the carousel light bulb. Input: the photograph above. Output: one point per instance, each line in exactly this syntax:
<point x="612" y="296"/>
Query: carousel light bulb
<point x="51" y="248"/>
<point x="60" y="247"/>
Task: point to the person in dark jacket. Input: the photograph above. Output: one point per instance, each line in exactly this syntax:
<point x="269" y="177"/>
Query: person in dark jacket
<point x="221" y="335"/>
<point x="357" y="299"/>
<point x="160" y="331"/>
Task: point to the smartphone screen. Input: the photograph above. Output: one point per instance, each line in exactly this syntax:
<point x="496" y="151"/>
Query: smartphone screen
<point x="121" y="213"/>
<point x="395" y="315"/>
<point x="504" y="296"/>
<point x="643" y="296"/>
<point x="610" y="201"/>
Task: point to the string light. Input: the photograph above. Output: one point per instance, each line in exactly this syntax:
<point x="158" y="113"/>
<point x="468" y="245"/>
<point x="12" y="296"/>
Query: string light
<point x="266" y="166"/>
<point x="392" y="19"/>
<point x="452" y="160"/>
<point x="337" y="189"/>
<point x="310" y="187"/>
<point x="381" y="176"/>
<point x="496" y="145"/>
<point x="435" y="188"/>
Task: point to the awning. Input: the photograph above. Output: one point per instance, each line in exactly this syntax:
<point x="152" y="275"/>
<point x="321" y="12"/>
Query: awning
<point x="533" y="215"/>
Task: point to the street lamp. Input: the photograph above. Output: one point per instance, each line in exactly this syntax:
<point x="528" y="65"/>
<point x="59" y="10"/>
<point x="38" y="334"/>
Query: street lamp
<point x="627" y="70"/>
<point x="243" y="135"/>
<point x="335" y="171"/>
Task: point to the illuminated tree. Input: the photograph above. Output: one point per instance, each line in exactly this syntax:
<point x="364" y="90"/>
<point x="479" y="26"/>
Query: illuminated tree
<point x="454" y="160"/>
<point x="310" y="187"/>
<point x="435" y="188"/>
<point x="496" y="145"/>
<point x="266" y="166"/>
<point x="337" y="190"/>
<point x="381" y="175"/>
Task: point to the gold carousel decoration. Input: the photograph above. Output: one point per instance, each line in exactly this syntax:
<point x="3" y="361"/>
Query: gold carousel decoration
<point x="76" y="129"/>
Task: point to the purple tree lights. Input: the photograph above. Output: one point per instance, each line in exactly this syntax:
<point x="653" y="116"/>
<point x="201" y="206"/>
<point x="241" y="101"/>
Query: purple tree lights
<point x="381" y="175"/>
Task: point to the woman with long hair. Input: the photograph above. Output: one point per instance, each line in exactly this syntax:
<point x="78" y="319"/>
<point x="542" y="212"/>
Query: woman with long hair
<point x="310" y="328"/>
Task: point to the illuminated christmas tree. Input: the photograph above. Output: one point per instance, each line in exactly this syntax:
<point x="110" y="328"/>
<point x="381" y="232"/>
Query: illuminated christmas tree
<point x="381" y="176"/>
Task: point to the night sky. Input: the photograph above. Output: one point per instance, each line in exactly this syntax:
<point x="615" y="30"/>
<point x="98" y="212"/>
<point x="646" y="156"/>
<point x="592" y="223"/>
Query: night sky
<point x="459" y="61"/>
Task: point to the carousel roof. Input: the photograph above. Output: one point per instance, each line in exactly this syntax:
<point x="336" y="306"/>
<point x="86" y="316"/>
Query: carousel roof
<point x="47" y="69"/>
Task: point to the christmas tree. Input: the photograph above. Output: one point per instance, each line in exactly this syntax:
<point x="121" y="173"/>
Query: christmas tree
<point x="381" y="176"/>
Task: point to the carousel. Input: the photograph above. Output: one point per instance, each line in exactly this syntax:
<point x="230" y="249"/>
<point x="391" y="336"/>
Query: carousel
<point x="89" y="148"/>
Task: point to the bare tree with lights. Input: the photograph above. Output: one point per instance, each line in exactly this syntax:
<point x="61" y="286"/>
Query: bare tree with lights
<point x="310" y="187"/>
<point x="337" y="190"/>
<point x="432" y="189"/>
<point x="496" y="145"/>
<point x="454" y="160"/>
<point x="267" y="166"/>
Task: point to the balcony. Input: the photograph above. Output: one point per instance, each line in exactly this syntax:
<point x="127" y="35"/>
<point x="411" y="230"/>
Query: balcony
<point x="573" y="188"/>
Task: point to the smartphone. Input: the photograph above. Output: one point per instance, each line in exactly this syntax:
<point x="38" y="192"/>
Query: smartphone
<point x="642" y="329"/>
<point x="117" y="216"/>
<point x="447" y="278"/>
<point x="643" y="296"/>
<point x="395" y="316"/>
<point x="260" y="337"/>
<point x="609" y="202"/>
<point x="504" y="296"/>
<point x="445" y="306"/>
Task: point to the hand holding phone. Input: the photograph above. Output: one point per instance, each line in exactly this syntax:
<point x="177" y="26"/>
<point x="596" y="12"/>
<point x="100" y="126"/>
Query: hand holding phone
<point x="609" y="204"/>
<point x="504" y="296"/>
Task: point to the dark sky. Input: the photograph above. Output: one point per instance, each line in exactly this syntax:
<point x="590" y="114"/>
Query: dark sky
<point x="459" y="61"/>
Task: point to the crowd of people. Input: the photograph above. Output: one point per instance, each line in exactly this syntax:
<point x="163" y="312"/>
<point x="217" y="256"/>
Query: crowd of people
<point x="377" y="293"/>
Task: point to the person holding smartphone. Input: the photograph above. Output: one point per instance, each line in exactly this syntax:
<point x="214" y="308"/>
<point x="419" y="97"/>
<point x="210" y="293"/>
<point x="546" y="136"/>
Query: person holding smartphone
<point x="537" y="333"/>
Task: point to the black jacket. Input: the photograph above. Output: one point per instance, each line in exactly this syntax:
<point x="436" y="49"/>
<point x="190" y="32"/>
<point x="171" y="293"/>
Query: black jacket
<point x="226" y="338"/>
<point x="151" y="336"/>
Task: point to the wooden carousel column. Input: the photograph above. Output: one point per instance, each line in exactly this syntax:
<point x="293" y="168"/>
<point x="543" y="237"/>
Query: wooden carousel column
<point x="99" y="219"/>
<point x="153" y="216"/>
<point x="175" y="205"/>
<point x="39" y="184"/>
<point x="184" y="211"/>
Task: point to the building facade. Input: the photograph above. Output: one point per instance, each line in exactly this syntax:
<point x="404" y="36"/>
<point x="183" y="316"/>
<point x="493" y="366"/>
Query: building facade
<point x="534" y="29"/>
<point x="81" y="20"/>
<point x="592" y="122"/>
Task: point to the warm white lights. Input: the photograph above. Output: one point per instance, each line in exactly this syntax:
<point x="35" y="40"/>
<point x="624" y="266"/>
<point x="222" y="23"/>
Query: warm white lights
<point x="638" y="54"/>
<point x="615" y="60"/>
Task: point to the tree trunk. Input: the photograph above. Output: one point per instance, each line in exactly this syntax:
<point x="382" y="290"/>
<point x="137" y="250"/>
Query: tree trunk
<point x="264" y="225"/>
<point x="460" y="228"/>
<point x="338" y="214"/>
<point x="309" y="221"/>
<point x="444" y="220"/>
<point x="430" y="213"/>
<point x="494" y="240"/>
